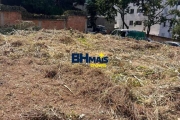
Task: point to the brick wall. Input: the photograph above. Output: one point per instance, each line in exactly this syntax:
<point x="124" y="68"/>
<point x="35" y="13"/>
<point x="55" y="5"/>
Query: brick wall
<point x="9" y="18"/>
<point x="74" y="22"/>
<point x="50" y="24"/>
<point x="77" y="22"/>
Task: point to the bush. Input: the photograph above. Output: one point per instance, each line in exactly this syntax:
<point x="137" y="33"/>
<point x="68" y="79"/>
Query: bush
<point x="74" y="13"/>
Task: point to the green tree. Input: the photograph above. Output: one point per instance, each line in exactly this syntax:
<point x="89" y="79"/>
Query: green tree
<point x="154" y="11"/>
<point x="11" y="2"/>
<point x="92" y="11"/>
<point x="110" y="8"/>
<point x="49" y="7"/>
<point x="176" y="30"/>
<point x="66" y="4"/>
<point x="174" y="22"/>
<point x="42" y="7"/>
<point x="81" y="2"/>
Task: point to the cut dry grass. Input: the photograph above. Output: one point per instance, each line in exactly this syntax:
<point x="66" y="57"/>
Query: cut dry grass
<point x="141" y="81"/>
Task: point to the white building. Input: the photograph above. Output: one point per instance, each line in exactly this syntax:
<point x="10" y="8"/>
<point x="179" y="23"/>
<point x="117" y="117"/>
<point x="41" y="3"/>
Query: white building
<point x="135" y="16"/>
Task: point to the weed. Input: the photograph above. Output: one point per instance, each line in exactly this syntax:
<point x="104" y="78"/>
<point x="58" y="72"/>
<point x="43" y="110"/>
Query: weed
<point x="50" y="74"/>
<point x="16" y="44"/>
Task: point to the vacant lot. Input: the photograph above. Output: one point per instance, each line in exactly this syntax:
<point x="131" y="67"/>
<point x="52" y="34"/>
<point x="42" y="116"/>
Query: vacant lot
<point x="39" y="82"/>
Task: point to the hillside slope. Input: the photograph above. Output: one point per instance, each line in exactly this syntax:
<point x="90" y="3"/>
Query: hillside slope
<point x="39" y="82"/>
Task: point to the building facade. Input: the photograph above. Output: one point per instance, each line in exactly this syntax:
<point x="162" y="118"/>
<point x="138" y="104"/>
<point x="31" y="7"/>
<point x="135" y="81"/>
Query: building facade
<point x="135" y="16"/>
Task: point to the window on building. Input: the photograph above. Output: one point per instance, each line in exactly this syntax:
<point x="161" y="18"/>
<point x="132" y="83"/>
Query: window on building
<point x="138" y="23"/>
<point x="170" y="35"/>
<point x="162" y="34"/>
<point x="164" y="24"/>
<point x="166" y="11"/>
<point x="131" y="11"/>
<point x="139" y="11"/>
<point x="135" y="4"/>
<point x="179" y="3"/>
<point x="130" y="22"/>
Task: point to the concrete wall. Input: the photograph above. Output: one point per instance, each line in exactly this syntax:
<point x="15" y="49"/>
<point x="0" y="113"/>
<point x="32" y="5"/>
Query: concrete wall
<point x="108" y="25"/>
<point x="74" y="22"/>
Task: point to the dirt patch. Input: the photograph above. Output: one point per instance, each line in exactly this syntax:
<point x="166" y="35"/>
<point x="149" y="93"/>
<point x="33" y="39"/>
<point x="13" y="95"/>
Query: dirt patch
<point x="78" y="78"/>
<point x="6" y="61"/>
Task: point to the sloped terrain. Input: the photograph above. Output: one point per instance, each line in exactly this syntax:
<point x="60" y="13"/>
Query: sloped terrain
<point x="39" y="82"/>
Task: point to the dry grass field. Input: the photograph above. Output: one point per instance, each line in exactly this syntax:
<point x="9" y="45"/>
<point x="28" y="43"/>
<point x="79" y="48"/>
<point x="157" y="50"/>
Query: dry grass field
<point x="39" y="82"/>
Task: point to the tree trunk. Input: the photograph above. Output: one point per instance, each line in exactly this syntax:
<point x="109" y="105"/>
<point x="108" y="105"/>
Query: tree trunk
<point x="123" y="20"/>
<point x="126" y="25"/>
<point x="148" y="30"/>
<point x="93" y="23"/>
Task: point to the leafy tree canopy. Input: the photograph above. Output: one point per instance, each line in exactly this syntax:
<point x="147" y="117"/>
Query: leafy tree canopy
<point x="49" y="7"/>
<point x="154" y="10"/>
<point x="92" y="11"/>
<point x="110" y="8"/>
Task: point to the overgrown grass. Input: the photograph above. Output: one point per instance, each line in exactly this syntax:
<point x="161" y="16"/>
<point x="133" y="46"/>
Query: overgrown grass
<point x="141" y="80"/>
